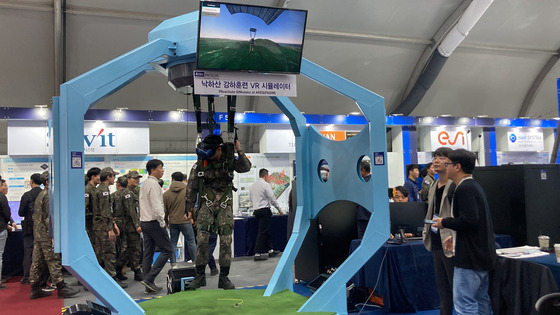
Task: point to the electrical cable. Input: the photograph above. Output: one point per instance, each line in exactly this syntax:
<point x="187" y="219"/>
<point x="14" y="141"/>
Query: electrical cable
<point x="376" y="282"/>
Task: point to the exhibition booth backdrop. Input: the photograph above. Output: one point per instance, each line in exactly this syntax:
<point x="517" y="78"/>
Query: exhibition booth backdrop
<point x="17" y="170"/>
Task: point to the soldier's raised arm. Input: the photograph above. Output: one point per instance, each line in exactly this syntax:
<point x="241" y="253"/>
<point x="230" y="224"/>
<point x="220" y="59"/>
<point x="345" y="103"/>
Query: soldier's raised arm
<point x="241" y="163"/>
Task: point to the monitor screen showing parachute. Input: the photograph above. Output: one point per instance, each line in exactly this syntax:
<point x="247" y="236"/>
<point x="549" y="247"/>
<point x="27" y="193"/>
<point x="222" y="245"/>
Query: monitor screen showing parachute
<point x="235" y="37"/>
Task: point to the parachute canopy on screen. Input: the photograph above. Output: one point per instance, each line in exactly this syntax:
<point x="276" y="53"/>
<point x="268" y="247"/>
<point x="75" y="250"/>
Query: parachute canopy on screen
<point x="235" y="37"/>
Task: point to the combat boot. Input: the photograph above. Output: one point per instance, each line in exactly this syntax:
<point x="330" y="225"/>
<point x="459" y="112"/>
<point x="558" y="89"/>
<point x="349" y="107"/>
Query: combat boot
<point x="200" y="279"/>
<point x="123" y="285"/>
<point x="138" y="275"/>
<point x="37" y="292"/>
<point x="64" y="291"/>
<point x="120" y="275"/>
<point x="223" y="280"/>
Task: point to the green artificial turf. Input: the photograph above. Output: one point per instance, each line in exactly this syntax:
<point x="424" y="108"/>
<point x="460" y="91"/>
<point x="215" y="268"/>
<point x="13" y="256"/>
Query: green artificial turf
<point x="222" y="302"/>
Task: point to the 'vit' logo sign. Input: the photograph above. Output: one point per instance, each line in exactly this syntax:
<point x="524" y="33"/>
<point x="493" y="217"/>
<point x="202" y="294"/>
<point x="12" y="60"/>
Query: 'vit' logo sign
<point x="99" y="140"/>
<point x="448" y="140"/>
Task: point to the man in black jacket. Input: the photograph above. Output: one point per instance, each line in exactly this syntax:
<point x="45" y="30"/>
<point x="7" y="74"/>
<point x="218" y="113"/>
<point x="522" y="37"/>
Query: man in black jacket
<point x="26" y="211"/>
<point x="7" y="224"/>
<point x="473" y="241"/>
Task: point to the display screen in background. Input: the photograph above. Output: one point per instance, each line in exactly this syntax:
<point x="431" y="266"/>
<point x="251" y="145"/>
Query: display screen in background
<point x="14" y="207"/>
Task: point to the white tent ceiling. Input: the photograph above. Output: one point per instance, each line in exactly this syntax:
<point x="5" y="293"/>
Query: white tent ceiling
<point x="375" y="43"/>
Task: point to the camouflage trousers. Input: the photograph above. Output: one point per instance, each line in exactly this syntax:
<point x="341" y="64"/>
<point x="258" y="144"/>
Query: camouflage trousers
<point x="44" y="258"/>
<point x="130" y="250"/>
<point x="212" y="218"/>
<point x="105" y="251"/>
<point x="89" y="228"/>
<point x="202" y="238"/>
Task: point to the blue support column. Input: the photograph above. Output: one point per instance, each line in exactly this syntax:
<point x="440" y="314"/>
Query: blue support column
<point x="492" y="146"/>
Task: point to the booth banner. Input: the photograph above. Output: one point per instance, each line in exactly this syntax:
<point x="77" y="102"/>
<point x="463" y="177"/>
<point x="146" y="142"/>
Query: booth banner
<point x="116" y="138"/>
<point x="278" y="141"/>
<point x="241" y="83"/>
<point x="334" y="135"/>
<point x="527" y="139"/>
<point x="451" y="137"/>
<point x="28" y="137"/>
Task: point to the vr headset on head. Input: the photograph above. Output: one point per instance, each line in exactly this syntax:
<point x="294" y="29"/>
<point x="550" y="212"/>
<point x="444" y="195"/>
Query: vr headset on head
<point x="205" y="151"/>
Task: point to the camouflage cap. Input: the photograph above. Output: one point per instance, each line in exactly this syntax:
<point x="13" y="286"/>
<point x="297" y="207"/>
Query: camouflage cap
<point x="122" y="181"/>
<point x="133" y="174"/>
<point x="106" y="172"/>
<point x="44" y="176"/>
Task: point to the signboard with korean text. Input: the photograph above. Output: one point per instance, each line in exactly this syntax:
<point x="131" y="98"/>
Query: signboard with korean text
<point x="451" y="137"/>
<point x="525" y="139"/>
<point x="240" y="83"/>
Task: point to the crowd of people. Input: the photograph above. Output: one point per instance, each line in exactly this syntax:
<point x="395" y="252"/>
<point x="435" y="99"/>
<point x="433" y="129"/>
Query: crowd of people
<point x="125" y="226"/>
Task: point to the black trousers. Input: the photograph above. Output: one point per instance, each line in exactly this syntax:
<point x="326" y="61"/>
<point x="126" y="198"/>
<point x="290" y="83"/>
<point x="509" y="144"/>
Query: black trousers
<point x="27" y="254"/>
<point x="263" y="244"/>
<point x="443" y="269"/>
<point x="154" y="235"/>
<point x="211" y="247"/>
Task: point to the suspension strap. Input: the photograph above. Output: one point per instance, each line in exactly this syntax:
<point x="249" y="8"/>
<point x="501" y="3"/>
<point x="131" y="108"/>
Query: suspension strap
<point x="231" y="100"/>
<point x="197" y="112"/>
<point x="211" y="110"/>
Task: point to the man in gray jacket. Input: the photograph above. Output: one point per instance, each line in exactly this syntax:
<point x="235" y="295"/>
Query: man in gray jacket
<point x="439" y="206"/>
<point x="178" y="220"/>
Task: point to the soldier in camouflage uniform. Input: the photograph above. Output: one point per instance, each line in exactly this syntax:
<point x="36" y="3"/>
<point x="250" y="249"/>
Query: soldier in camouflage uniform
<point x="105" y="230"/>
<point x="117" y="212"/>
<point x="92" y="180"/>
<point x="211" y="180"/>
<point x="43" y="253"/>
<point x="128" y="221"/>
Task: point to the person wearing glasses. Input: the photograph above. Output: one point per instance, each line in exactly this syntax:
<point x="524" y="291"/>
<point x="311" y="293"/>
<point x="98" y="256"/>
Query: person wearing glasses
<point x="439" y="206"/>
<point x="472" y="242"/>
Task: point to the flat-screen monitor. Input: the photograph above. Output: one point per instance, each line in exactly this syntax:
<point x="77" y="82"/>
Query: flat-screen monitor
<point x="236" y="37"/>
<point x="408" y="215"/>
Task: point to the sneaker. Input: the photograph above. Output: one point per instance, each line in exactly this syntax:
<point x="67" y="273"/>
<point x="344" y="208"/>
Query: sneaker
<point x="173" y="265"/>
<point x="273" y="253"/>
<point x="214" y="271"/>
<point x="260" y="257"/>
<point x="25" y="281"/>
<point x="49" y="288"/>
<point x="151" y="286"/>
<point x="3" y="286"/>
